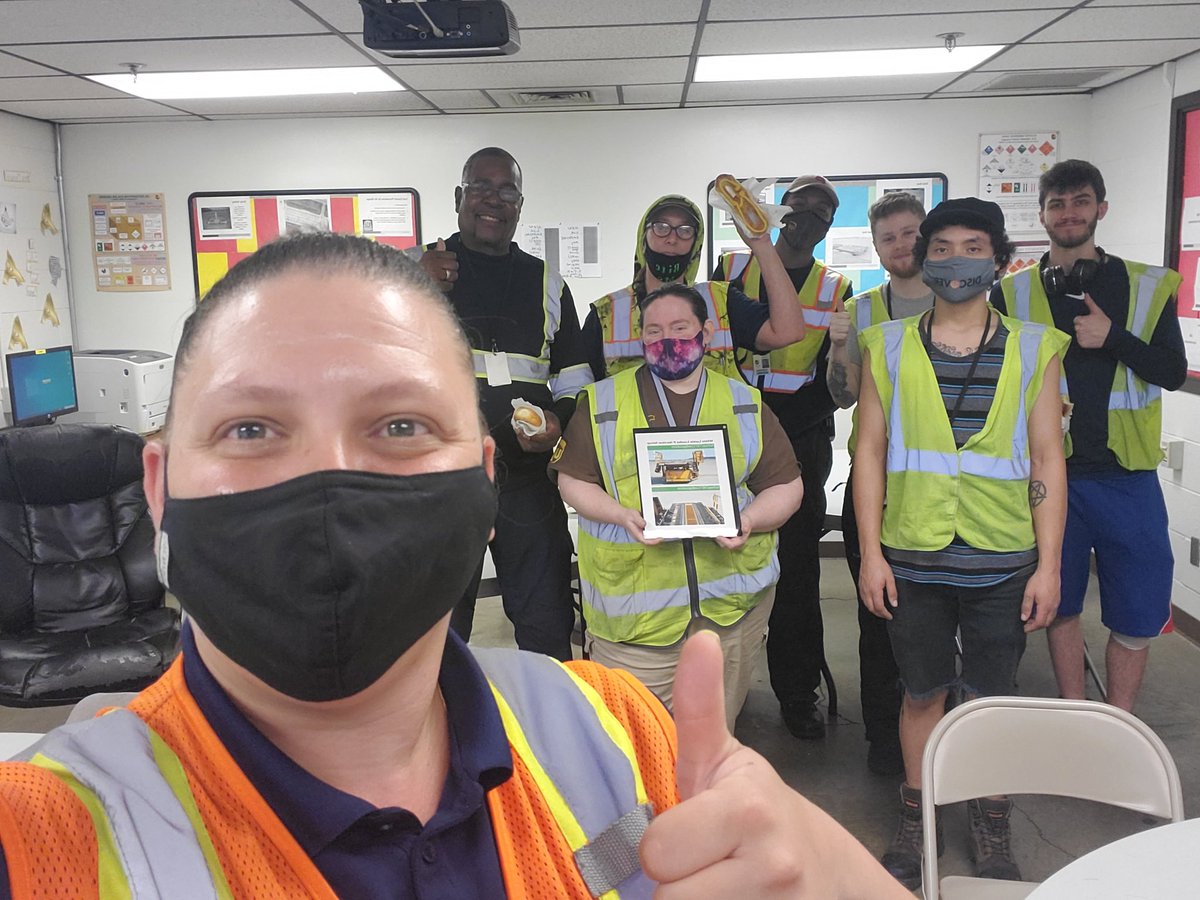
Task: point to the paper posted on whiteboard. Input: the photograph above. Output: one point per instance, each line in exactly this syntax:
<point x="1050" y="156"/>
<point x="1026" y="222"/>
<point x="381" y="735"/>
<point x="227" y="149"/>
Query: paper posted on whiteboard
<point x="571" y="250"/>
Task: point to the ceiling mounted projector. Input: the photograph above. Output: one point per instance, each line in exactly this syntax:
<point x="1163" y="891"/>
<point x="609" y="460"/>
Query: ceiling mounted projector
<point x="426" y="29"/>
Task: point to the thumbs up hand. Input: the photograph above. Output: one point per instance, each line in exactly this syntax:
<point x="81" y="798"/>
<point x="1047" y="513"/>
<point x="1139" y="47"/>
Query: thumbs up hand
<point x="739" y="830"/>
<point x="1091" y="330"/>
<point x="839" y="324"/>
<point x="441" y="265"/>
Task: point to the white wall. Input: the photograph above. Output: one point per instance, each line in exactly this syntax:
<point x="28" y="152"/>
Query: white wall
<point x="27" y="150"/>
<point x="1131" y="137"/>
<point x="600" y="166"/>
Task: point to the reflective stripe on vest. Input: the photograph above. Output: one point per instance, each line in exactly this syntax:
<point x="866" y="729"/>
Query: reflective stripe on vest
<point x="867" y="309"/>
<point x="792" y="366"/>
<point x="152" y="839"/>
<point x="642" y="594"/>
<point x="621" y="334"/>
<point x="597" y="798"/>
<point x="1134" y="405"/>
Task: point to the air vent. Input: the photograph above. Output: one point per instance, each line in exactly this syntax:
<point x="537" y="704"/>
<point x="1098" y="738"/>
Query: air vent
<point x="1046" y="79"/>
<point x="553" y="98"/>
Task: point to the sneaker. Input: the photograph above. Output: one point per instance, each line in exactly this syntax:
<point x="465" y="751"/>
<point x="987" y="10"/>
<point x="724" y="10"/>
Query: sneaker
<point x="884" y="757"/>
<point x="902" y="859"/>
<point x="989" y="846"/>
<point x="803" y="720"/>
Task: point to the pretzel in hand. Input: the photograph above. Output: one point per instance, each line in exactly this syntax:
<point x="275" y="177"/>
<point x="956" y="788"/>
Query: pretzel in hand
<point x="743" y="206"/>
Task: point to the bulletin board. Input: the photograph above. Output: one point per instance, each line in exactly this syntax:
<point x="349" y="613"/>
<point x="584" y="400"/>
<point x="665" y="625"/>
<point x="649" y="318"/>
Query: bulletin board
<point x="1183" y="224"/>
<point x="227" y="226"/>
<point x="848" y="246"/>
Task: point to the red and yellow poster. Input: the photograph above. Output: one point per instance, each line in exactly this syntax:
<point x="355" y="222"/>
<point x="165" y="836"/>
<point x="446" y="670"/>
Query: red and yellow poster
<point x="228" y="227"/>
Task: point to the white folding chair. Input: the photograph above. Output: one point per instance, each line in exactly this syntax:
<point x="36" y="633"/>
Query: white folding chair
<point x="986" y="746"/>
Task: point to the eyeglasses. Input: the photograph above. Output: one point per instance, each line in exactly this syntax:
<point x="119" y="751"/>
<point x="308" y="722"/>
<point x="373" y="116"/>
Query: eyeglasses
<point x="480" y="189"/>
<point x="662" y="229"/>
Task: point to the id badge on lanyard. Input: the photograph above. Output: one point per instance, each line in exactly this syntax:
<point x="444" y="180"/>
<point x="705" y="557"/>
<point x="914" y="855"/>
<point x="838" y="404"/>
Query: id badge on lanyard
<point x="496" y="366"/>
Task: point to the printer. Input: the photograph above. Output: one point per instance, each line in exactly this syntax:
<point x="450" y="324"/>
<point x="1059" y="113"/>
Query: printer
<point x="130" y="388"/>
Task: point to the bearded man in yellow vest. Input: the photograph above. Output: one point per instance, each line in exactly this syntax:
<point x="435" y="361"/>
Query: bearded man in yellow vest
<point x="667" y="250"/>
<point x="895" y="220"/>
<point x="1126" y="348"/>
<point x="793" y="384"/>
<point x="320" y="495"/>
<point x="959" y="431"/>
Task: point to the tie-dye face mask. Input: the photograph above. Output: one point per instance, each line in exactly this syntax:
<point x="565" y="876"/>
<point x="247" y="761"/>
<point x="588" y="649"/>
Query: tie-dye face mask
<point x="674" y="358"/>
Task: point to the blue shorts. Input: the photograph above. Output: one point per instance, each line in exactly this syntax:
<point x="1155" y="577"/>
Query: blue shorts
<point x="1124" y="518"/>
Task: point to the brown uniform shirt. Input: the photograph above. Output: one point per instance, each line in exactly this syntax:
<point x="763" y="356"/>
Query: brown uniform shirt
<point x="776" y="463"/>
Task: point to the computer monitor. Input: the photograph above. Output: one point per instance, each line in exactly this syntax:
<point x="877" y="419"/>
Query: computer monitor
<point x="41" y="385"/>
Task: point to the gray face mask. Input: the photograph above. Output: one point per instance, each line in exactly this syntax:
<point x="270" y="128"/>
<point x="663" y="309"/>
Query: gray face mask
<point x="959" y="278"/>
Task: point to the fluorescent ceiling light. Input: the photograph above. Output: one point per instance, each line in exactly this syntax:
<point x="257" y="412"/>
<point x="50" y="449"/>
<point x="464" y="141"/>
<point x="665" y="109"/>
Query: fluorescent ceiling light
<point x="251" y="83"/>
<point x="841" y="63"/>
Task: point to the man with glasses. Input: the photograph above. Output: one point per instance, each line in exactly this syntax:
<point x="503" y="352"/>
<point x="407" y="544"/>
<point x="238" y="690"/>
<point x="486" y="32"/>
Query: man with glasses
<point x="526" y="344"/>
<point x="669" y="241"/>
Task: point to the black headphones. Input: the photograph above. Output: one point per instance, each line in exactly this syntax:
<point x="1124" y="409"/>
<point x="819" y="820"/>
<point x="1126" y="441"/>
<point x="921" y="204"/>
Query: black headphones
<point x="1057" y="282"/>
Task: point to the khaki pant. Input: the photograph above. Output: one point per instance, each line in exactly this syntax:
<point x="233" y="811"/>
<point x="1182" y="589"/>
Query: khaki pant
<point x="742" y="645"/>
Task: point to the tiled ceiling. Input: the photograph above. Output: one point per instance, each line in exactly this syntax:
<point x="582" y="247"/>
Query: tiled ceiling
<point x="614" y="53"/>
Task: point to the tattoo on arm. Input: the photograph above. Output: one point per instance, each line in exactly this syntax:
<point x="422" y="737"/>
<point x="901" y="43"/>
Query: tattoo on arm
<point x="839" y="388"/>
<point x="1037" y="493"/>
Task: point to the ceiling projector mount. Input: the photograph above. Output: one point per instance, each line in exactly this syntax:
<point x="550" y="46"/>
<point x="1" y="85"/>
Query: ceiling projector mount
<point x="427" y="29"/>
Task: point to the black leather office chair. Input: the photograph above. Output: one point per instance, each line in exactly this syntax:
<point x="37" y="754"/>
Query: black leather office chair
<point x="81" y="608"/>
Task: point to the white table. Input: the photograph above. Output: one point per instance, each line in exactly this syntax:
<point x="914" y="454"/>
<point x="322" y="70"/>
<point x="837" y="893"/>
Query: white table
<point x="1161" y="863"/>
<point x="13" y="742"/>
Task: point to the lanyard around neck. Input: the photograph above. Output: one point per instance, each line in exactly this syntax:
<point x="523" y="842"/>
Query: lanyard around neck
<point x="927" y="340"/>
<point x="662" y="396"/>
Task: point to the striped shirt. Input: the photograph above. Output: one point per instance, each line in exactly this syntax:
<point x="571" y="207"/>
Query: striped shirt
<point x="958" y="563"/>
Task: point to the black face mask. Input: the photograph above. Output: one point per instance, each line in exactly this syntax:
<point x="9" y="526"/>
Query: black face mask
<point x="804" y="230"/>
<point x="667" y="267"/>
<point x="319" y="584"/>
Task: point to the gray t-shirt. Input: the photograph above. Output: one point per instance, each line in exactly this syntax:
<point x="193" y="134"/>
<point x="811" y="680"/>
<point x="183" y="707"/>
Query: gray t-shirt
<point x="902" y="308"/>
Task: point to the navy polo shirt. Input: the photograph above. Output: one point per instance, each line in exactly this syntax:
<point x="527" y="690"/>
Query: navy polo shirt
<point x="364" y="851"/>
<point x="367" y="851"/>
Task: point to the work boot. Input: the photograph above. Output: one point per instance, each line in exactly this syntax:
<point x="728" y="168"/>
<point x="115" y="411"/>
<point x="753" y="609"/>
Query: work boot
<point x="803" y="720"/>
<point x="902" y="859"/>
<point x="989" y="846"/>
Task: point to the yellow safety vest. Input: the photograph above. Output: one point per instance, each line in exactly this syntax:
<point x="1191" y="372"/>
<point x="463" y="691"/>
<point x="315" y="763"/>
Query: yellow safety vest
<point x="621" y="329"/>
<point x="641" y="595"/>
<point x="865" y="309"/>
<point x="791" y="366"/>
<point x="934" y="489"/>
<point x="1134" y="405"/>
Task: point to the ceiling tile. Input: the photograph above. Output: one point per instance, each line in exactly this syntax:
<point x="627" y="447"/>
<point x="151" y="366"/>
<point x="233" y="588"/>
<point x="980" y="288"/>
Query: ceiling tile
<point x="328" y="114"/>
<point x="302" y="105"/>
<point x="55" y="87"/>
<point x="315" y="51"/>
<point x="119" y="119"/>
<point x="86" y="109"/>
<point x="458" y="99"/>
<point x="1090" y="54"/>
<point x="868" y="33"/>
<point x="974" y="81"/>
<point x="576" y="13"/>
<point x="1130" y="24"/>
<point x="652" y="93"/>
<point x="13" y="67"/>
<point x="541" y="74"/>
<point x="31" y="21"/>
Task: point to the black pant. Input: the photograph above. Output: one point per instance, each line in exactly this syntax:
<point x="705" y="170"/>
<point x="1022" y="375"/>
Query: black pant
<point x="879" y="679"/>
<point x="796" y="634"/>
<point x="532" y="553"/>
